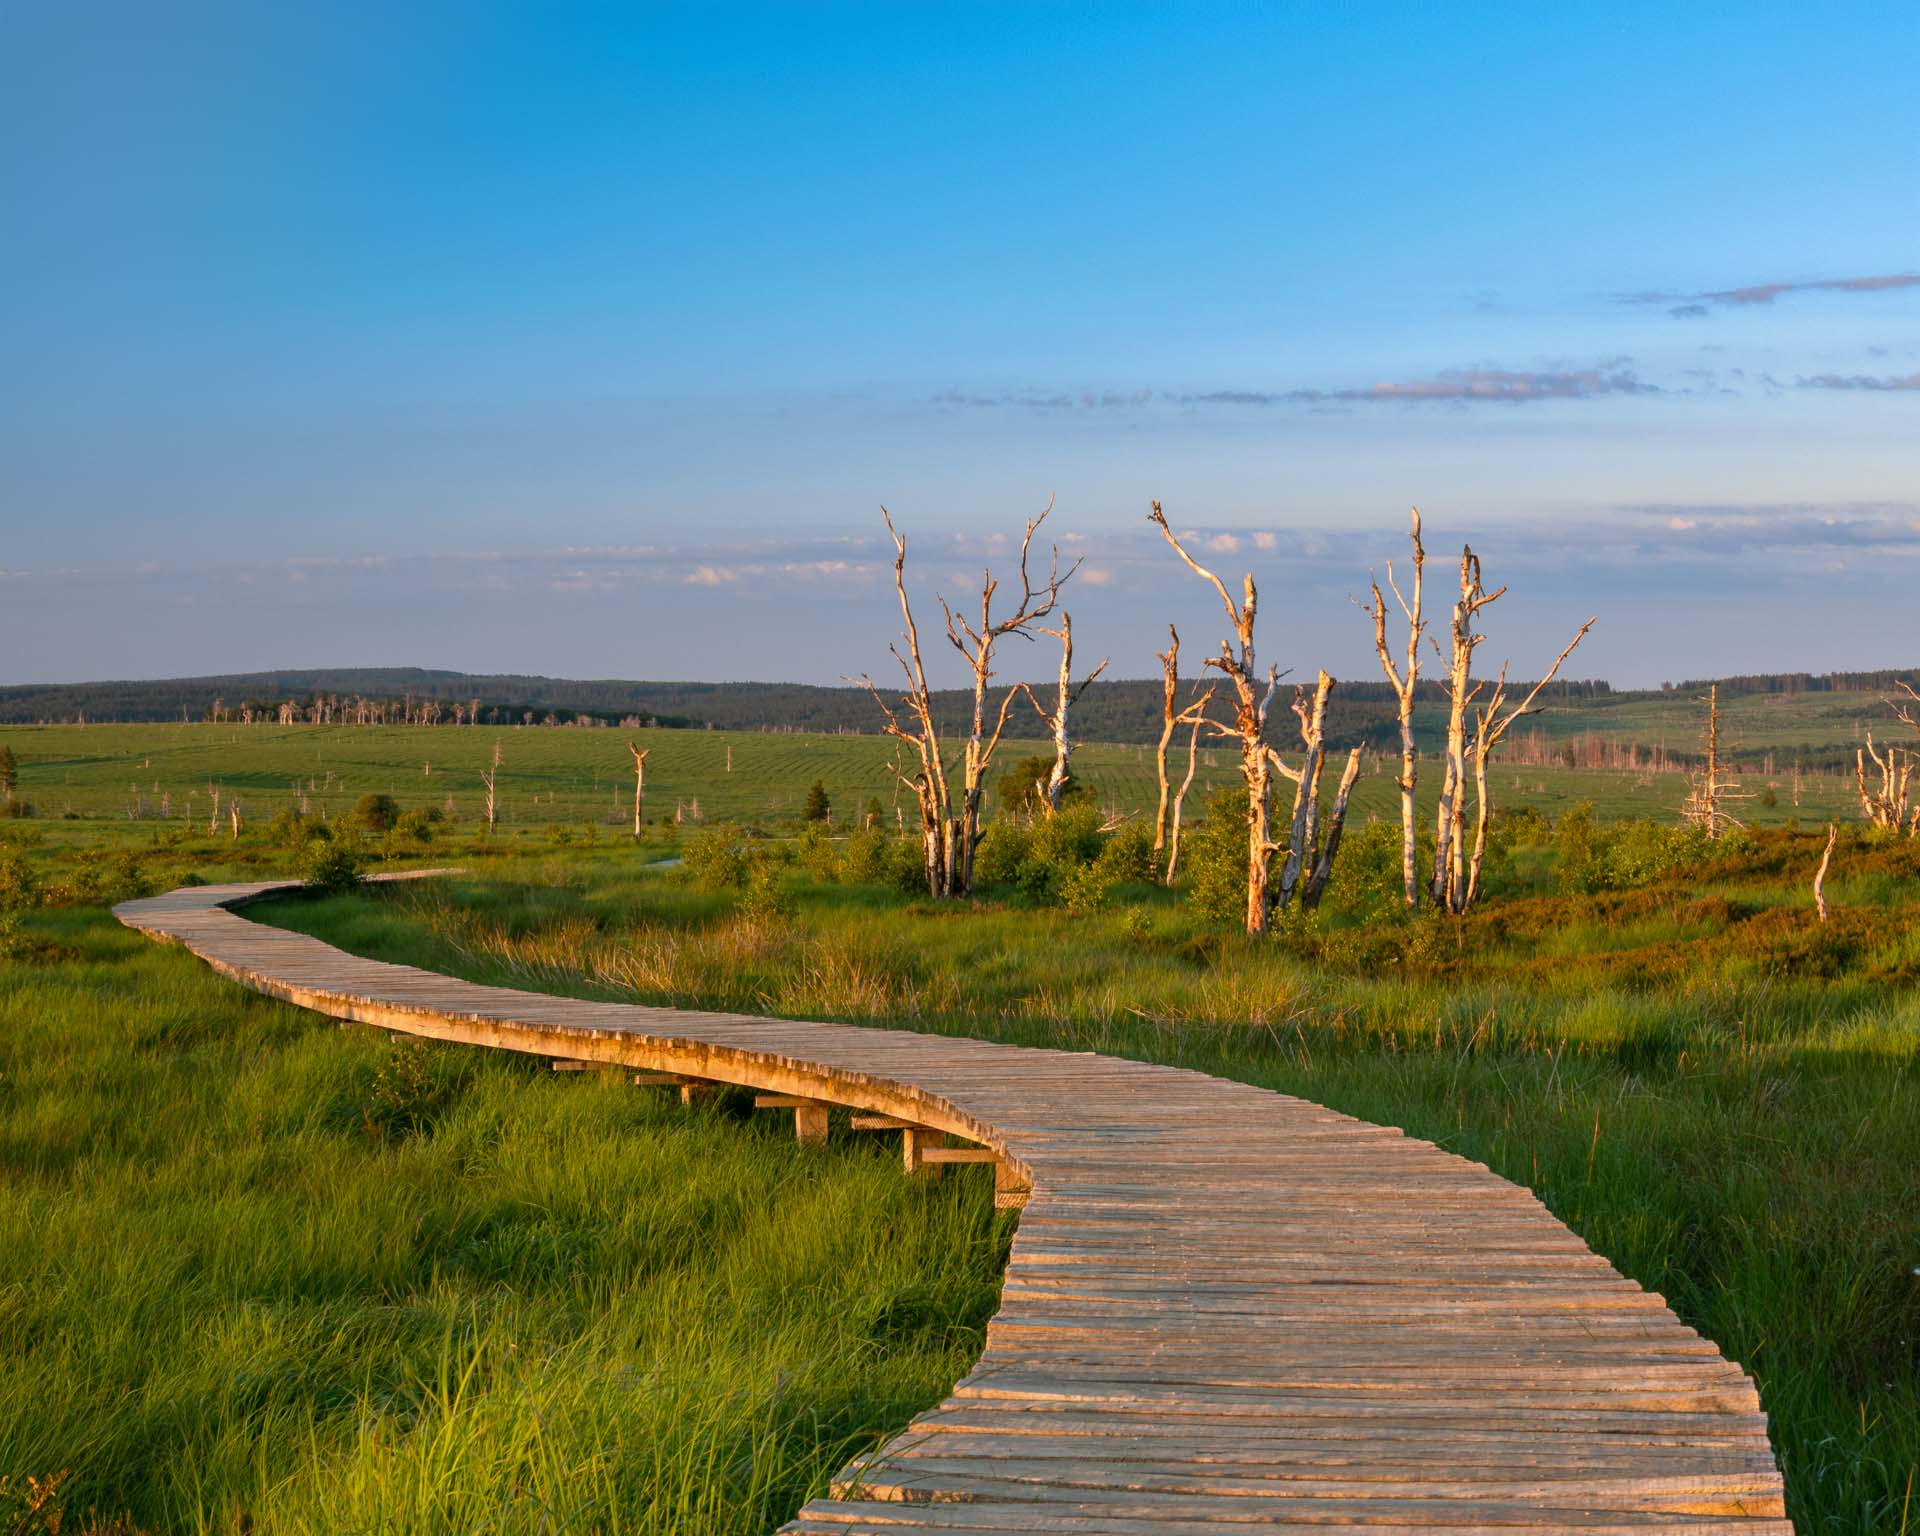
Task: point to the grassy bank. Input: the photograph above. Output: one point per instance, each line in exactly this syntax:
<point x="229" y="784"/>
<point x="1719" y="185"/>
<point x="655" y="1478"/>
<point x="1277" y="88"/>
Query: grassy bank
<point x="1717" y="1093"/>
<point x="261" y="1273"/>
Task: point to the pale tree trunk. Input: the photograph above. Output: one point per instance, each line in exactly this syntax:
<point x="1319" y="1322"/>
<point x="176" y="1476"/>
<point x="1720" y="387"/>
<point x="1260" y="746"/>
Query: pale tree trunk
<point x="1251" y="703"/>
<point x="639" y="784"/>
<point x="1310" y="857"/>
<point x="1820" y="875"/>
<point x="1067" y="694"/>
<point x="1405" y="683"/>
<point x="1169" y="721"/>
<point x="489" y="779"/>
<point x="1180" y="799"/>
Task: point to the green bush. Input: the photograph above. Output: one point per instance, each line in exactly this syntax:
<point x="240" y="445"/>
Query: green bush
<point x="1367" y="882"/>
<point x="818" y="854"/>
<point x="416" y="826"/>
<point x="1006" y="845"/>
<point x="869" y="857"/>
<point x="376" y="813"/>
<point x="765" y="895"/>
<point x="294" y="829"/>
<point x="19" y="881"/>
<point x="331" y="865"/>
<point x="1590" y="857"/>
<point x="1128" y="857"/>
<point x="716" y="857"/>
<point x="1213" y="858"/>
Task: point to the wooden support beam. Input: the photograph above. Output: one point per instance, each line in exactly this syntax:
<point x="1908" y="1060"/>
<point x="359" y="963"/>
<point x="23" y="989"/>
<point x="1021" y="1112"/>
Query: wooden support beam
<point x="662" y="1080"/>
<point x="916" y="1141"/>
<point x="692" y="1092"/>
<point x="809" y="1115"/>
<point x="883" y="1123"/>
<point x="563" y="1064"/>
<point x="1010" y="1191"/>
<point x="960" y="1155"/>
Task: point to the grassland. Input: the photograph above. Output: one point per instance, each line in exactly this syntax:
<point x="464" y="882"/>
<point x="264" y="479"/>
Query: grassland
<point x="1716" y="1094"/>
<point x="279" y="1274"/>
<point x="264" y="1274"/>
<point x="569" y="776"/>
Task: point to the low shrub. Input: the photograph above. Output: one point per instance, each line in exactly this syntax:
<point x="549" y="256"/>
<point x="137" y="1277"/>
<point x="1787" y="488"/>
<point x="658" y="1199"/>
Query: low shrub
<point x="331" y="865"/>
<point x="376" y="813"/>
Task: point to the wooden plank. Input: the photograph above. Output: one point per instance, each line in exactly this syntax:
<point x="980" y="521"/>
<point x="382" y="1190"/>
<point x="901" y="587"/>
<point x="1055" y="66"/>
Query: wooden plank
<point x="1224" y="1307"/>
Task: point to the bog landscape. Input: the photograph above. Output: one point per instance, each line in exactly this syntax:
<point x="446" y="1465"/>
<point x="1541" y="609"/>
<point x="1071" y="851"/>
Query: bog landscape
<point x="959" y="770"/>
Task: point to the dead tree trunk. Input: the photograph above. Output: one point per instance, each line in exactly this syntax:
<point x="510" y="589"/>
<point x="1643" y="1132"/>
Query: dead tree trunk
<point x="1065" y="696"/>
<point x="488" y="780"/>
<point x="1705" y="805"/>
<point x="1197" y="714"/>
<point x="1449" y="885"/>
<point x="1252" y="699"/>
<point x="1456" y="871"/>
<point x="1820" y="874"/>
<point x="639" y="783"/>
<point x="950" y="819"/>
<point x="1310" y="858"/>
<point x="1169" y="722"/>
<point x="1405" y="683"/>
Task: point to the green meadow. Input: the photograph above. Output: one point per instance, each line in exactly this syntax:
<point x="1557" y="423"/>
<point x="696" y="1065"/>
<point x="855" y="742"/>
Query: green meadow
<point x="553" y="775"/>
<point x="265" y="1273"/>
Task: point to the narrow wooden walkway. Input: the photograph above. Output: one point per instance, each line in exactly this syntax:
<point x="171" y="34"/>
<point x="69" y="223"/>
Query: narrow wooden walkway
<point x="1226" y="1309"/>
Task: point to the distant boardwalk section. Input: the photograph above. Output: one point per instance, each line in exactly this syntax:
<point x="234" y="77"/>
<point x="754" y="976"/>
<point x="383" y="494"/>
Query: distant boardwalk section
<point x="1226" y="1309"/>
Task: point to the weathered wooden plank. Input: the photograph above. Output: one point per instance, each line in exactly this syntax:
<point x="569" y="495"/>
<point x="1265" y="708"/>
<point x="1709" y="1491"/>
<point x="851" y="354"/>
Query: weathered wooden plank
<point x="1224" y="1307"/>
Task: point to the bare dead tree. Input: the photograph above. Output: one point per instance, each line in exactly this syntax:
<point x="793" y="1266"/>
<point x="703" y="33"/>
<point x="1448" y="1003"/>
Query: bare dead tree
<point x="1492" y="721"/>
<point x="1890" y="804"/>
<point x="1455" y="881"/>
<point x="1310" y="852"/>
<point x="488" y="781"/>
<point x="639" y="783"/>
<point x="1820" y="874"/>
<point x="1066" y="695"/>
<point x="1706" y="803"/>
<point x="1172" y="718"/>
<point x="1197" y="715"/>
<point x="213" y="816"/>
<point x="1405" y="681"/>
<point x="1449" y="884"/>
<point x="1253" y="697"/>
<point x="949" y="814"/>
<point x="233" y="815"/>
<point x="1886" y="799"/>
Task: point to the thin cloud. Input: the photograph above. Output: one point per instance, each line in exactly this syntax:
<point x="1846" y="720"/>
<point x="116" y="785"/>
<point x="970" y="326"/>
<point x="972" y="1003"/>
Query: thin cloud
<point x="1894" y="384"/>
<point x="1460" y="386"/>
<point x="1692" y="306"/>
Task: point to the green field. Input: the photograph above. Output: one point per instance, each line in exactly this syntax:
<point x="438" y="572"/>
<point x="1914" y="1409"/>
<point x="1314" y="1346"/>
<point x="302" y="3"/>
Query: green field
<point x="559" y="775"/>
<point x="267" y="1274"/>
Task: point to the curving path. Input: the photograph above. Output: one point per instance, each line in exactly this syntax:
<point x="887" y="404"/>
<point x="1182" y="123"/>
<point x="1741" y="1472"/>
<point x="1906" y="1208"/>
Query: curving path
<point x="1226" y="1309"/>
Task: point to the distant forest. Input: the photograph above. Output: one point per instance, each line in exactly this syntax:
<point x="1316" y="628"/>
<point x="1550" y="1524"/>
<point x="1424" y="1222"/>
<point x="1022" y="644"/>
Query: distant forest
<point x="1117" y="711"/>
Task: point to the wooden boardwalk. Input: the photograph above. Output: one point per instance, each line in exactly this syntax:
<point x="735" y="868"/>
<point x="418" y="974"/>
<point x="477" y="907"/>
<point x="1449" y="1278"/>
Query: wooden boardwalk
<point x="1226" y="1309"/>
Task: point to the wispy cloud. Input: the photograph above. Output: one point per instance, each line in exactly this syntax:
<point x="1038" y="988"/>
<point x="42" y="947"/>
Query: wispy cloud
<point x="1459" y="386"/>
<point x="1692" y="306"/>
<point x="1894" y="384"/>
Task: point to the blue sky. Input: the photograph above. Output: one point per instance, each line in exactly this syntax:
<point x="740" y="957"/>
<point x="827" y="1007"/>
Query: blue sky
<point x="589" y="341"/>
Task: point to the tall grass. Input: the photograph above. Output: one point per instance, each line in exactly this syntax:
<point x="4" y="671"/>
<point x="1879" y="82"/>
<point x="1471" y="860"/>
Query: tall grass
<point x="261" y="1273"/>
<point x="1718" y="1095"/>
